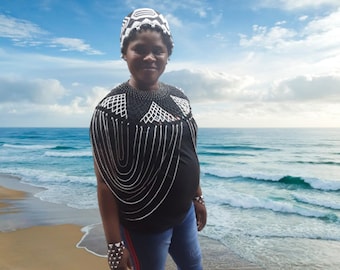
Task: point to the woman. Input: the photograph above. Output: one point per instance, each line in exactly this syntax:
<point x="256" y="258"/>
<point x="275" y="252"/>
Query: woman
<point x="144" y="144"/>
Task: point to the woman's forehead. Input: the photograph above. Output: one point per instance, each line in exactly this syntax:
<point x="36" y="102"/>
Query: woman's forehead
<point x="148" y="36"/>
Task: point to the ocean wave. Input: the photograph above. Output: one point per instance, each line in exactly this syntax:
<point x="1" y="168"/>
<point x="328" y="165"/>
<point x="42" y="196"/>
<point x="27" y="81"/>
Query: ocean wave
<point x="294" y="180"/>
<point x="236" y="148"/>
<point x="327" y="201"/>
<point x="220" y="173"/>
<point x="55" y="148"/>
<point x="246" y="201"/>
<point x="219" y="153"/>
<point x="327" y="185"/>
<point x="79" y="197"/>
<point x="266" y="235"/>
<point x="291" y="182"/>
<point x="317" y="162"/>
<point x="63" y="147"/>
<point x="60" y="188"/>
<point x="305" y="182"/>
<point x="68" y="154"/>
<point x="46" y="178"/>
<point x="28" y="146"/>
<point x="94" y="231"/>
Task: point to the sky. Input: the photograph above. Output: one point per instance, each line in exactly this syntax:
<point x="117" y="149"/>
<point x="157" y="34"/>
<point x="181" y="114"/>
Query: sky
<point x="242" y="63"/>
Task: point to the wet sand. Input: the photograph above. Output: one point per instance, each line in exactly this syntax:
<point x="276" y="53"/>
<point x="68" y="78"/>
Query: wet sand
<point x="40" y="235"/>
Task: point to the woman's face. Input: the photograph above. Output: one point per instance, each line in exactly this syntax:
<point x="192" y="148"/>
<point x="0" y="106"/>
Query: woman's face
<point x="146" y="57"/>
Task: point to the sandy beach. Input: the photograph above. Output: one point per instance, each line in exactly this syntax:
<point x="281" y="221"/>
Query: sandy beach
<point x="42" y="235"/>
<point x="46" y="247"/>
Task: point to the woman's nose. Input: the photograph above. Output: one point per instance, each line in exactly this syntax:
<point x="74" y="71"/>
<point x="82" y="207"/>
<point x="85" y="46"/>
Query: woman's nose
<point x="149" y="57"/>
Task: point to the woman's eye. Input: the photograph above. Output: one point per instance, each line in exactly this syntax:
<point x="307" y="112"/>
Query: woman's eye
<point x="140" y="50"/>
<point x="157" y="51"/>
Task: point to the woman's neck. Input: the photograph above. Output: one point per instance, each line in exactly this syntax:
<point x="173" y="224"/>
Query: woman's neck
<point x="144" y="87"/>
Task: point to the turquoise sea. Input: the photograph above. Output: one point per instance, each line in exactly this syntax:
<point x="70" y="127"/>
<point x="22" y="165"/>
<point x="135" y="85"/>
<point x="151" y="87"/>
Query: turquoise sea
<point x="273" y="195"/>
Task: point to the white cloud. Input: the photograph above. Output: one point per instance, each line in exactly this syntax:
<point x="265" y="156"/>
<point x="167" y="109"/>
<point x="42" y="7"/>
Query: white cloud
<point x="87" y="73"/>
<point x="25" y="33"/>
<point x="286" y="77"/>
<point x="280" y="76"/>
<point x="324" y="24"/>
<point x="284" y="52"/>
<point x="225" y="100"/>
<point x="26" y="110"/>
<point x="205" y="85"/>
<point x="307" y="89"/>
<point x="197" y="7"/>
<point x="18" y="29"/>
<point x="37" y="91"/>
<point x="97" y="94"/>
<point x="303" y="18"/>
<point x="209" y="86"/>
<point x="201" y="12"/>
<point x="218" y="99"/>
<point x="273" y="37"/>
<point x="280" y="23"/>
<point x="74" y="44"/>
<point x="217" y="19"/>
<point x="217" y="36"/>
<point x="173" y="20"/>
<point x="261" y="114"/>
<point x="300" y="4"/>
<point x="81" y="105"/>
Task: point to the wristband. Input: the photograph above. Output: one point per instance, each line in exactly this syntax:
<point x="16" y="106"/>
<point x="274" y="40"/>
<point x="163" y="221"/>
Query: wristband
<point x="115" y="254"/>
<point x="199" y="199"/>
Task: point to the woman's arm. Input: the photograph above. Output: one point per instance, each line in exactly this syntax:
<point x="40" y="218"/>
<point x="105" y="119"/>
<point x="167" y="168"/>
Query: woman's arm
<point x="201" y="211"/>
<point x="110" y="218"/>
<point x="108" y="210"/>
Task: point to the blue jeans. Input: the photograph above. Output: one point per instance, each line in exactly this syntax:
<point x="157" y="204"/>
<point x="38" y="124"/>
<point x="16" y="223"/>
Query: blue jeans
<point x="150" y="251"/>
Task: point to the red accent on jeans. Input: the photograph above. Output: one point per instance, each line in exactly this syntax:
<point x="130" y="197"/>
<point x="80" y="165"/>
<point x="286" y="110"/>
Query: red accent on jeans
<point x="132" y="251"/>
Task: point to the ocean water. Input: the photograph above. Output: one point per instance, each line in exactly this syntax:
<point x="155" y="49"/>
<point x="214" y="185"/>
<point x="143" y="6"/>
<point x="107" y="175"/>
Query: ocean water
<point x="273" y="195"/>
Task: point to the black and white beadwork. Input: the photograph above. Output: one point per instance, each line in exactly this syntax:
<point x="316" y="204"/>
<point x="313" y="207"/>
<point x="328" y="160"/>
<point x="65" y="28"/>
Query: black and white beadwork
<point x="143" y="16"/>
<point x="136" y="137"/>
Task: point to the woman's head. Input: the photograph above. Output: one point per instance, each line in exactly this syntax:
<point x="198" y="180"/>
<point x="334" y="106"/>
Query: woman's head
<point x="144" y="19"/>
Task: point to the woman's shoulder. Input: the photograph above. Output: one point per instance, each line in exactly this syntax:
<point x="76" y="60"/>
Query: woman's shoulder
<point x="174" y="90"/>
<point x="110" y="98"/>
<point x="119" y="89"/>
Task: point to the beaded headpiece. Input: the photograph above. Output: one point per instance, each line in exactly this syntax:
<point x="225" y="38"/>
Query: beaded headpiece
<point x="140" y="17"/>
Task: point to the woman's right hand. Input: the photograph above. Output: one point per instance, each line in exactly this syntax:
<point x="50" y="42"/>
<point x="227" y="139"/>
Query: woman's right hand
<point x="125" y="263"/>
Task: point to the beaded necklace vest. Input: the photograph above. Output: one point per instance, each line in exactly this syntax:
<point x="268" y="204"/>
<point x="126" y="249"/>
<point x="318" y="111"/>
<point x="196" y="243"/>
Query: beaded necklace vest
<point x="136" y="138"/>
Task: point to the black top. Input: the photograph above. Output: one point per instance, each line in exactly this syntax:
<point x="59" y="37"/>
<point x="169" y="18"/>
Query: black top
<point x="144" y="144"/>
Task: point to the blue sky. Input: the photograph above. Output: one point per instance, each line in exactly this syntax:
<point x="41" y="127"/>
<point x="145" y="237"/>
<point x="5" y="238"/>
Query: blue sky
<point x="243" y="63"/>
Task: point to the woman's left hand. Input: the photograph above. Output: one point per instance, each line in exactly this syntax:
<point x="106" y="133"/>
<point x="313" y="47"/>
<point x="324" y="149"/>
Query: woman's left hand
<point x="201" y="214"/>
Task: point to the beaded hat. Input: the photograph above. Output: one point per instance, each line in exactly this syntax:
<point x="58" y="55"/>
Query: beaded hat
<point x="140" y="17"/>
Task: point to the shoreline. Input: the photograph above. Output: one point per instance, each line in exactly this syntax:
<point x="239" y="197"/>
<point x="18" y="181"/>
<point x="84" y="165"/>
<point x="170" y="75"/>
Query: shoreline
<point x="75" y="235"/>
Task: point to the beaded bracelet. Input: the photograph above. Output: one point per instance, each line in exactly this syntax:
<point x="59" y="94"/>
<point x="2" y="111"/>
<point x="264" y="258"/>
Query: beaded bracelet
<point x="115" y="254"/>
<point x="199" y="199"/>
